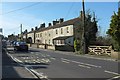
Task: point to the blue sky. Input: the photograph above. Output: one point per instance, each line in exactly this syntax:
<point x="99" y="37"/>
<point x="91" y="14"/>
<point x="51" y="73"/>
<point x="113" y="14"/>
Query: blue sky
<point x="48" y="11"/>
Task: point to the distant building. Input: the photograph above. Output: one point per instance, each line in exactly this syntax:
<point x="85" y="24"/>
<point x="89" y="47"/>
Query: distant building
<point x="1" y="31"/>
<point x="12" y="37"/>
<point x="31" y="36"/>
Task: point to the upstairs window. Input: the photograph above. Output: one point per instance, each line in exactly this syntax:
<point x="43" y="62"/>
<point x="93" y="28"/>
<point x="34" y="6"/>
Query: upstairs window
<point x="49" y="34"/>
<point x="40" y="34"/>
<point x="67" y="30"/>
<point x="61" y="31"/>
<point x="49" y="41"/>
<point x="36" y="35"/>
<point x="56" y="31"/>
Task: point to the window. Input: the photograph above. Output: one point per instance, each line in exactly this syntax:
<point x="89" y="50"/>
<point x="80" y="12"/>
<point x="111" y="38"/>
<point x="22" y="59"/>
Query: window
<point x="62" y="42"/>
<point x="61" y="31"/>
<point x="40" y="34"/>
<point x="67" y="30"/>
<point x="49" y="41"/>
<point x="56" y="31"/>
<point x="36" y="35"/>
<point x="49" y="34"/>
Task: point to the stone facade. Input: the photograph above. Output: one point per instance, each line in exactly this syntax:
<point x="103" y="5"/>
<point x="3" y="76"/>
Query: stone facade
<point x="61" y="33"/>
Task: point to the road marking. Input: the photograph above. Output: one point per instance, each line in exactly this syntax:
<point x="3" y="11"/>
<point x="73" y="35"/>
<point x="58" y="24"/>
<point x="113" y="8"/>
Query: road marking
<point x="87" y="64"/>
<point x="110" y="72"/>
<point x="52" y="58"/>
<point x="65" y="61"/>
<point x="31" y="72"/>
<point x="81" y="63"/>
<point x="114" y="78"/>
<point x="17" y="60"/>
<point x="84" y="66"/>
<point x="39" y="74"/>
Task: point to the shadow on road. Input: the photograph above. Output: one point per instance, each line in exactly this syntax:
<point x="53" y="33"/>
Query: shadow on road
<point x="8" y="65"/>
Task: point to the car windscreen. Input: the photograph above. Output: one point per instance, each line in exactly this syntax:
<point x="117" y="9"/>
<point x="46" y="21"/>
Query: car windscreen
<point x="21" y="43"/>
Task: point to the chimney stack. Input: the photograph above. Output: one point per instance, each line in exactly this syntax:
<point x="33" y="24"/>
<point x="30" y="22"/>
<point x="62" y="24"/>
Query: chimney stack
<point x="55" y="22"/>
<point x="61" y="20"/>
<point x="36" y="28"/>
<point x="32" y="29"/>
<point x="49" y="24"/>
<point x="42" y="25"/>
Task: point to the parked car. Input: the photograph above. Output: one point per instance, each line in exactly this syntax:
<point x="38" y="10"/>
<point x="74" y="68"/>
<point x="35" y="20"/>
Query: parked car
<point x="13" y="43"/>
<point x="4" y="44"/>
<point x="18" y="46"/>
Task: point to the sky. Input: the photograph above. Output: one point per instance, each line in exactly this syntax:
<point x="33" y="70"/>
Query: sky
<point x="32" y="14"/>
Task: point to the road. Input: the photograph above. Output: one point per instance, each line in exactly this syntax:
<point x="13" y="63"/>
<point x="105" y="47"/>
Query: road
<point x="12" y="70"/>
<point x="60" y="65"/>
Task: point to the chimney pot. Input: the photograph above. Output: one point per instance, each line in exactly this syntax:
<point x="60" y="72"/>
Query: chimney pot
<point x="36" y="28"/>
<point x="61" y="20"/>
<point x="32" y="29"/>
<point x="49" y="24"/>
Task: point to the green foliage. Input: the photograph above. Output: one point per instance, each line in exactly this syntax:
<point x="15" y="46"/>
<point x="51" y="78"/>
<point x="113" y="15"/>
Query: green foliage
<point x="114" y="30"/>
<point x="76" y="45"/>
<point x="104" y="40"/>
<point x="91" y="29"/>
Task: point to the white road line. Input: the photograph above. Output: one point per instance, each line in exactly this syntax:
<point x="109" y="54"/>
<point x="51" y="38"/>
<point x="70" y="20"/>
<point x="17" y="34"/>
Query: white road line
<point x="84" y="66"/>
<point x="114" y="78"/>
<point x="39" y="74"/>
<point x="82" y="63"/>
<point x="17" y="60"/>
<point x="52" y="58"/>
<point x="65" y="61"/>
<point x="110" y="72"/>
<point x="31" y="72"/>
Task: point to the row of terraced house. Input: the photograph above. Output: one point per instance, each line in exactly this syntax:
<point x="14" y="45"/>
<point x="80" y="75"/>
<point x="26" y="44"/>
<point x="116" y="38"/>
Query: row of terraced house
<point x="58" y="35"/>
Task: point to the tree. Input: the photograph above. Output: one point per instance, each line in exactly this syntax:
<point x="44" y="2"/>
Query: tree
<point x="114" y="30"/>
<point x="91" y="29"/>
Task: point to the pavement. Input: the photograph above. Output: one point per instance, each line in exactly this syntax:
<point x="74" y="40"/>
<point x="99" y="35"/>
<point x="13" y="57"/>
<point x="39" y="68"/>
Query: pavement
<point x="59" y="65"/>
<point x="11" y="69"/>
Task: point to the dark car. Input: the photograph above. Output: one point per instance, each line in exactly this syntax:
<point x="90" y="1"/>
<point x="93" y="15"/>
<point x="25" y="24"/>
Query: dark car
<point x="21" y="46"/>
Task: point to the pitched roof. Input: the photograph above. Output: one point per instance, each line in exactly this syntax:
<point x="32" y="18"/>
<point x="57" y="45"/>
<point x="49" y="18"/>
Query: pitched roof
<point x="65" y="23"/>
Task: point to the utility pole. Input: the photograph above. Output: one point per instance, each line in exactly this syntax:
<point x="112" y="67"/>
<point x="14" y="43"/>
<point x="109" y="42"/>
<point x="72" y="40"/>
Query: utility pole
<point x="118" y="4"/>
<point x="84" y="37"/>
<point x="21" y="31"/>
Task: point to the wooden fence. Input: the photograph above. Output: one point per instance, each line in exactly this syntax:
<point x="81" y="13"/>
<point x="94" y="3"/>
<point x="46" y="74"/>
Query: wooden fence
<point x="100" y="49"/>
